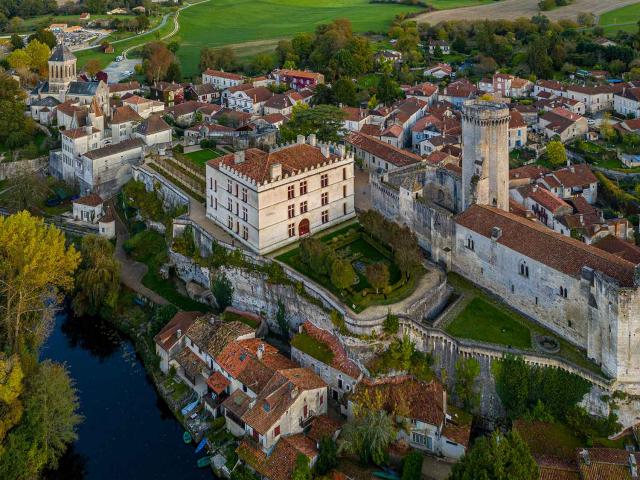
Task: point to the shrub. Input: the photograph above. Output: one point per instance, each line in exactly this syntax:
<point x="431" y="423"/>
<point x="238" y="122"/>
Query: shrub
<point x="391" y="324"/>
<point x="412" y="466"/>
<point x="223" y="291"/>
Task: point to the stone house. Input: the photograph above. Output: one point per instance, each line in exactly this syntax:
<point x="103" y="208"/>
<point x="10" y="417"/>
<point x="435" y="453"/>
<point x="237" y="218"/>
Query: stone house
<point x="573" y="180"/>
<point x="341" y="374"/>
<point x="546" y="206"/>
<point x="170" y="341"/>
<point x="376" y="154"/>
<point x="121" y="89"/>
<point x="268" y="200"/>
<point x="221" y="79"/>
<point x="563" y="123"/>
<point x="627" y="102"/>
<point x="154" y="131"/>
<point x="143" y="106"/>
<point x="297" y="79"/>
<point x="439" y="71"/>
<point x="88" y="208"/>
<point x="443" y="45"/>
<point x="595" y="99"/>
<point x="517" y="130"/>
<point x="251" y="100"/>
<point x="124" y="121"/>
<point x="431" y="426"/>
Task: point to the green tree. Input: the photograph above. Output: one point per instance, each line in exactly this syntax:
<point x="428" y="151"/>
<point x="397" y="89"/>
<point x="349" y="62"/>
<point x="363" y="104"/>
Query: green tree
<point x="223" y="291"/>
<point x="36" y="266"/>
<point x="46" y="36"/>
<point x="16" y="42"/>
<point x="512" y="384"/>
<point x="369" y="435"/>
<point x="281" y="319"/>
<point x="221" y="58"/>
<point x="326" y="121"/>
<point x="301" y="471"/>
<point x="556" y="154"/>
<point x="388" y="90"/>
<point x="498" y="457"/>
<point x="39" y="54"/>
<point x="98" y="278"/>
<point x="49" y="425"/>
<point x="344" y="91"/>
<point x="467" y="372"/>
<point x="262" y="63"/>
<point x="11" y="388"/>
<point x="391" y="324"/>
<point x="412" y="466"/>
<point x="538" y="58"/>
<point x="174" y="73"/>
<point x="327" y="457"/>
<point x="27" y="189"/>
<point x="377" y="275"/>
<point x="342" y="274"/>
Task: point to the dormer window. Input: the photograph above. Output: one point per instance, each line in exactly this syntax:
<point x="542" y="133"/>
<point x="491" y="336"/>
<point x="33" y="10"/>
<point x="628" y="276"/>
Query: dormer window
<point x="266" y="407"/>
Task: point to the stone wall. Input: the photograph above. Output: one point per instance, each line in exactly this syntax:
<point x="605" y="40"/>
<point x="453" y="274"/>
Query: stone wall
<point x="171" y="195"/>
<point x="11" y="169"/>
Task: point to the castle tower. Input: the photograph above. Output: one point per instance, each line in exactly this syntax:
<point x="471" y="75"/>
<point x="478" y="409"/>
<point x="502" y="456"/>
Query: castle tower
<point x="485" y="154"/>
<point x="62" y="69"/>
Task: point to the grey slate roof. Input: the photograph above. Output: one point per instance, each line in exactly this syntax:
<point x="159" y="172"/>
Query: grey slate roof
<point x="61" y="53"/>
<point x="83" y="88"/>
<point x="45" y="102"/>
<point x="115" y="148"/>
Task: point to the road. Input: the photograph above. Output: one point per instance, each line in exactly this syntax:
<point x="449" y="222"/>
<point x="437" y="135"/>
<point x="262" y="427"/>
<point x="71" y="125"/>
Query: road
<point x="117" y="70"/>
<point x="512" y="9"/>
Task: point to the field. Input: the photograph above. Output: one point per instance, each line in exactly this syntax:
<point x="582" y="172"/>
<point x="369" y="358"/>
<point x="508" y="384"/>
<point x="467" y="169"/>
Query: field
<point x="624" y="18"/>
<point x="263" y="22"/>
<point x="201" y="157"/>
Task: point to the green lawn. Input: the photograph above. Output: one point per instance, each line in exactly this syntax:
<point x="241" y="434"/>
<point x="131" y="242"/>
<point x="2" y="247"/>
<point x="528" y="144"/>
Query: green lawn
<point x="482" y="321"/>
<point x="311" y="346"/>
<point x="624" y="18"/>
<point x="201" y="157"/>
<point x="232" y="316"/>
<point x="223" y="22"/>
<point x="477" y="320"/>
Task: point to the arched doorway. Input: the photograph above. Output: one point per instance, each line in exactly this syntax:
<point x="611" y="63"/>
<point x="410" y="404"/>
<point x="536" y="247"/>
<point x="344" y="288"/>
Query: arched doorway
<point x="303" y="227"/>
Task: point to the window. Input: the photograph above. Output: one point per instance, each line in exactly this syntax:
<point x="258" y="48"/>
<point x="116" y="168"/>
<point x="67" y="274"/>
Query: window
<point x="524" y="270"/>
<point x="291" y="192"/>
<point x="228" y="185"/>
<point x="321" y="399"/>
<point x="245" y="214"/>
<point x="236" y="190"/>
<point x="324" y="198"/>
<point x="291" y="210"/>
<point x="230" y="222"/>
<point x="244" y="194"/>
<point x="211" y="183"/>
<point x="245" y="233"/>
<point x="563" y="292"/>
<point x="303" y="207"/>
<point x="292" y="230"/>
<point x="344" y="173"/>
<point x="324" y="180"/>
<point x="325" y="216"/>
<point x="344" y="208"/>
<point x="215" y="185"/>
<point x="276" y="431"/>
<point x="229" y="204"/>
<point x="303" y="187"/>
<point x="344" y="191"/>
<point x="470" y="244"/>
<point x="211" y="200"/>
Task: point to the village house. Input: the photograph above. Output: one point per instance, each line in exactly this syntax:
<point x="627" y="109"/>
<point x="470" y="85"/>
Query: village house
<point x="549" y="104"/>
<point x="563" y="123"/>
<point x="442" y="45"/>
<point x="376" y="154"/>
<point x="124" y="121"/>
<point x="154" y="131"/>
<point x="439" y="71"/>
<point x="551" y="88"/>
<point x="121" y="89"/>
<point x="143" y="106"/>
<point x="546" y="206"/>
<point x="517" y="130"/>
<point x="458" y="92"/>
<point x="281" y="462"/>
<point x="627" y="102"/>
<point x="221" y="79"/>
<point x="526" y="174"/>
<point x="355" y="118"/>
<point x="575" y="179"/>
<point x="595" y="99"/>
<point x="281" y="103"/>
<point x="251" y="100"/>
<point x="268" y="200"/>
<point x="170" y="93"/>
<point x="185" y="114"/>
<point x="511" y="86"/>
<point x="529" y="113"/>
<point x="426" y="91"/>
<point x="297" y="79"/>
<point x="341" y="374"/>
<point x="89" y="208"/>
<point x="432" y="426"/>
<point x="203" y="93"/>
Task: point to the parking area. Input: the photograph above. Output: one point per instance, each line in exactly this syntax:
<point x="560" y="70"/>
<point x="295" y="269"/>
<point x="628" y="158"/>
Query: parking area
<point x="117" y="71"/>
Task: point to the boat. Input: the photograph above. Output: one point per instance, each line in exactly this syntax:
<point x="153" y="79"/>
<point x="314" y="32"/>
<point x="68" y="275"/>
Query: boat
<point x="204" y="462"/>
<point x="201" y="445"/>
<point x="186" y="436"/>
<point x="189" y="407"/>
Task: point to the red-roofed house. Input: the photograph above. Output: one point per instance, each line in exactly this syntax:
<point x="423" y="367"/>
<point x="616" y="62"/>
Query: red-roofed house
<point x="221" y="79"/>
<point x="268" y="200"/>
<point x="546" y="206"/>
<point x="573" y="180"/>
<point x="627" y="102"/>
<point x="517" y="130"/>
<point x="563" y="123"/>
<point x="297" y="79"/>
<point x="375" y="153"/>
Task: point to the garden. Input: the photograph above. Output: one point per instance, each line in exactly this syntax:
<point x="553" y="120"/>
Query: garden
<point x="201" y="157"/>
<point x="375" y="262"/>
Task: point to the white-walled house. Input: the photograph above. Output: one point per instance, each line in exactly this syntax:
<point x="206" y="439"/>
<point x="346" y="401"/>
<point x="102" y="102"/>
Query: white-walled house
<point x="221" y="79"/>
<point x="376" y="154"/>
<point x="268" y="200"/>
<point x="627" y="102"/>
<point x="89" y="208"/>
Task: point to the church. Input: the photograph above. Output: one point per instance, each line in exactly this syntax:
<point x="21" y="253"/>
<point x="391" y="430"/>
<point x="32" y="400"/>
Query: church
<point x="463" y="217"/>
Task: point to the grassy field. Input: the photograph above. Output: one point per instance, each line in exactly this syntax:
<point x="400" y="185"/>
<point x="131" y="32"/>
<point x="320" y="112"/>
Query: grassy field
<point x="202" y="156"/>
<point x="624" y="18"/>
<point x="311" y="346"/>
<point x="224" y="22"/>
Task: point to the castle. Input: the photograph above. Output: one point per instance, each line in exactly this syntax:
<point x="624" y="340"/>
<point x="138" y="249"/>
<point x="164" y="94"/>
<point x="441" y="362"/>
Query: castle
<point x="461" y="215"/>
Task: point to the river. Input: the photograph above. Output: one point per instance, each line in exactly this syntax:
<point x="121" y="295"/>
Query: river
<point x="128" y="432"/>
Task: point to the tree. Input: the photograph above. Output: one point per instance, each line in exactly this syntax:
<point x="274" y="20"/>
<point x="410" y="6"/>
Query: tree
<point x="326" y="121"/>
<point x="369" y="435"/>
<point x="49" y="424"/>
<point x="556" y="153"/>
<point x="16" y="42"/>
<point x="388" y="90"/>
<point x="174" y="73"/>
<point x="391" y="323"/>
<point x="498" y="457"/>
<point x="36" y="266"/>
<point x="412" y="466"/>
<point x="344" y="91"/>
<point x="26" y="190"/>
<point x="98" y="278"/>
<point x="223" y="291"/>
<point x="281" y="319"/>
<point x="586" y="19"/>
<point x="15" y="127"/>
<point x="342" y="274"/>
<point x="328" y="456"/>
<point x="19" y="59"/>
<point x="11" y="388"/>
<point x="538" y="57"/>
<point x="377" y="275"/>
<point x="39" y="54"/>
<point x="262" y="63"/>
<point x="46" y="36"/>
<point x="606" y="129"/>
<point x="157" y="59"/>
<point x="92" y="67"/>
<point x="512" y="384"/>
<point x="467" y="371"/>
<point x="406" y="252"/>
<point x="221" y="59"/>
<point x="301" y="471"/>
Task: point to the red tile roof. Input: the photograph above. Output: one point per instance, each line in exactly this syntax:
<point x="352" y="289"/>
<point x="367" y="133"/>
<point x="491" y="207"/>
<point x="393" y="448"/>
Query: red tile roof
<point x="222" y="74"/>
<point x="389" y="153"/>
<point x="91" y="200"/>
<point x="218" y="382"/>
<point x="282" y="461"/>
<point x="576" y="175"/>
<point x="340" y="360"/>
<point x="516" y="120"/>
<point x="125" y="114"/>
<point x="528" y="171"/>
<point x="545" y="198"/>
<point x="620" y="248"/>
<point x="542" y="244"/>
<point x="322" y="426"/>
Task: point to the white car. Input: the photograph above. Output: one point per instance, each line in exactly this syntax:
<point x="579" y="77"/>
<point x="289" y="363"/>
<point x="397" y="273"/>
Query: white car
<point x="591" y="122"/>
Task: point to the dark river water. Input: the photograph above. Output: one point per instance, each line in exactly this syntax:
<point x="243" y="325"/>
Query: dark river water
<point x="128" y="432"/>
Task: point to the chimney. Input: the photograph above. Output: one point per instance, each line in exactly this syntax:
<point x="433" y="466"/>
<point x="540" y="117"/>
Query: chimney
<point x="342" y="151"/>
<point x="300" y="139"/>
<point x="178" y="333"/>
<point x="581" y="219"/>
<point x="311" y="139"/>
<point x="238" y="157"/>
<point x="324" y="148"/>
<point x="584" y="453"/>
<point x="275" y="171"/>
<point x="496" y="233"/>
<point x="260" y="351"/>
<point x="88" y="129"/>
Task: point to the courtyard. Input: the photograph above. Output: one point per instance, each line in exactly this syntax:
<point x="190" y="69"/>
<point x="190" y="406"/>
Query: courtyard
<point x="352" y="245"/>
<point x="201" y="157"/>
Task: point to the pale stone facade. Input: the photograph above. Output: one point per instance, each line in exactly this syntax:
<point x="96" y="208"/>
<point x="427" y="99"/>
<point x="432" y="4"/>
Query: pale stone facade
<point x="267" y="201"/>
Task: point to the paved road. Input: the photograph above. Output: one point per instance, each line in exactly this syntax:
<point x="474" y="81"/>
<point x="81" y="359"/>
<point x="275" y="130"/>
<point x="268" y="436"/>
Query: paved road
<point x="117" y="70"/>
<point x="512" y="9"/>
